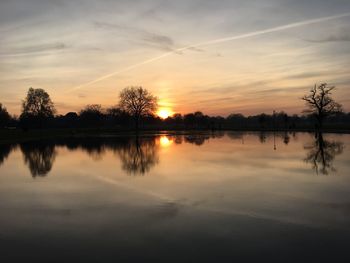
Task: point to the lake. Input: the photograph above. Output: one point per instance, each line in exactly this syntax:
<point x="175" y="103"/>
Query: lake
<point x="191" y="197"/>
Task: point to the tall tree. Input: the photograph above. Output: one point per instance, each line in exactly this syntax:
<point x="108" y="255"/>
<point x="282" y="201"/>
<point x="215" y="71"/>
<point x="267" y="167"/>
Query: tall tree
<point x="138" y="102"/>
<point x="38" y="103"/>
<point x="320" y="103"/>
<point x="4" y="116"/>
<point x="37" y="107"/>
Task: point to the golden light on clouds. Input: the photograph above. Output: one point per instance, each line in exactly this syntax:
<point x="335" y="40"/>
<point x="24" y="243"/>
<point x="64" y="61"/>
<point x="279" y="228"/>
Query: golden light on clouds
<point x="215" y="68"/>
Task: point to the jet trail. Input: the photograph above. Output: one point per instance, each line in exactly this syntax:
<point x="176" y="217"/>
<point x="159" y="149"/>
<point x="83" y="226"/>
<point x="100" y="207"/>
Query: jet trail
<point x="217" y="41"/>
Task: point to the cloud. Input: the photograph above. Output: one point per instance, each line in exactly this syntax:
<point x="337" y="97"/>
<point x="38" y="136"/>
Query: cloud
<point x="29" y="49"/>
<point x="163" y="41"/>
<point x="154" y="40"/>
<point x="306" y="75"/>
<point x="214" y="42"/>
<point x="342" y="35"/>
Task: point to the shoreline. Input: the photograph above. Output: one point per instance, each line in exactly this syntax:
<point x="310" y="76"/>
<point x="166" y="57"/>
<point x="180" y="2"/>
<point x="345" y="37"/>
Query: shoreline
<point x="17" y="135"/>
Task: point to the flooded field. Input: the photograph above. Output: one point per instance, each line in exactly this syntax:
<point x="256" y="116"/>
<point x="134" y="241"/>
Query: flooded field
<point x="215" y="197"/>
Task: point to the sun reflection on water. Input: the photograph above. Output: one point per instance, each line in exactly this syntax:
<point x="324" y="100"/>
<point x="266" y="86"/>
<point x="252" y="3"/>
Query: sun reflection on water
<point x="164" y="141"/>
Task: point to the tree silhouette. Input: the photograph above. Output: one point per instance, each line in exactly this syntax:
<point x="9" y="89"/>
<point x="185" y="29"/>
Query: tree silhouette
<point x="320" y="103"/>
<point x="92" y="115"/>
<point x="37" y="107"/>
<point x="4" y="116"/>
<point x="138" y="102"/>
<point x="38" y="103"/>
<point x="321" y="154"/>
<point x="115" y="115"/>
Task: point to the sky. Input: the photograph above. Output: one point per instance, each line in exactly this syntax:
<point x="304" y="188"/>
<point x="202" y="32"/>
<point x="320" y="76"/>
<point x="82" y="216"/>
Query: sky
<point x="218" y="57"/>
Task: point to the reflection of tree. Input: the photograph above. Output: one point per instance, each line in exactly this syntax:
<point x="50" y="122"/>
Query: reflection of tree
<point x="39" y="157"/>
<point x="262" y="137"/>
<point x="286" y="138"/>
<point x="235" y="135"/>
<point x="139" y="155"/>
<point x="177" y="139"/>
<point x="217" y="134"/>
<point x="197" y="139"/>
<point x="321" y="154"/>
<point x="95" y="147"/>
<point x="5" y="150"/>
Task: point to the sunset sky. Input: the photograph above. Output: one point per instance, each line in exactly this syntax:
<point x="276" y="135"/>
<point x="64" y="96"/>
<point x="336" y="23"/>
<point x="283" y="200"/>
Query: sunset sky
<point x="219" y="57"/>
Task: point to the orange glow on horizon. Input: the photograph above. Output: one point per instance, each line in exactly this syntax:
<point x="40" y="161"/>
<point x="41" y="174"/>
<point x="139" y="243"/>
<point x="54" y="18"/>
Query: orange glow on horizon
<point x="164" y="113"/>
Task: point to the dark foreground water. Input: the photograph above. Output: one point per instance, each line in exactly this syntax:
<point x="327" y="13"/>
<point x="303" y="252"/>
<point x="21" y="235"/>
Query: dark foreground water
<point x="217" y="197"/>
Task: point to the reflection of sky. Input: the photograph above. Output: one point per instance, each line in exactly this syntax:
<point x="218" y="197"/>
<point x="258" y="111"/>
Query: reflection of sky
<point x="230" y="175"/>
<point x="59" y="45"/>
<point x="231" y="189"/>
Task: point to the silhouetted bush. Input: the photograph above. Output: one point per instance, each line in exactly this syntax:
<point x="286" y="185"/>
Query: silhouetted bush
<point x="91" y="116"/>
<point x="4" y="116"/>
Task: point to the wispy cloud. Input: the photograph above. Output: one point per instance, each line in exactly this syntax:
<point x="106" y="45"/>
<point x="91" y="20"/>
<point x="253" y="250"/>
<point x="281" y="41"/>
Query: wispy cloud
<point x="30" y="49"/>
<point x="341" y="35"/>
<point x="154" y="40"/>
<point x="221" y="40"/>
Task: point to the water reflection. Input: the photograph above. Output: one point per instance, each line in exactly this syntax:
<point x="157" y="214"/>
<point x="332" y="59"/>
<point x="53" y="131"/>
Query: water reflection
<point x="39" y="157"/>
<point x="139" y="155"/>
<point x="262" y="137"/>
<point x="286" y="138"/>
<point x="94" y="147"/>
<point x="165" y="141"/>
<point x="178" y="139"/>
<point x="5" y="150"/>
<point x="321" y="154"/>
<point x="197" y="139"/>
<point x="231" y="190"/>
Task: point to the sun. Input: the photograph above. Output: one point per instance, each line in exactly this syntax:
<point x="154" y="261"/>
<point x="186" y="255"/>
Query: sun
<point x="164" y="113"/>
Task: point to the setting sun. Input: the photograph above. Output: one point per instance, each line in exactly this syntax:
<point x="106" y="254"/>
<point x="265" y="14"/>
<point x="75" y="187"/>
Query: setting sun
<point x="164" y="113"/>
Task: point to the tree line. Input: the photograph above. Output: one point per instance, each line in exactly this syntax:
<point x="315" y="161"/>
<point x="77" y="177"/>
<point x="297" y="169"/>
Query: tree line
<point x="137" y="108"/>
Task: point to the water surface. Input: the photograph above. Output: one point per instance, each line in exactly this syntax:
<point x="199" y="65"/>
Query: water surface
<point x="209" y="197"/>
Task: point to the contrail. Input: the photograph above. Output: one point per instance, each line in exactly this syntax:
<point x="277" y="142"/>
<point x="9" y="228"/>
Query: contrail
<point x="217" y="41"/>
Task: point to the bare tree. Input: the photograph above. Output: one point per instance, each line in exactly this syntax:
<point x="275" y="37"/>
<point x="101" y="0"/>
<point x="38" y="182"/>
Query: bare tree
<point x="138" y="102"/>
<point x="320" y="103"/>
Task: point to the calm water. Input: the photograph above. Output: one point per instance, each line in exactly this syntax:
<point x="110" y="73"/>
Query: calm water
<point x="214" y="197"/>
